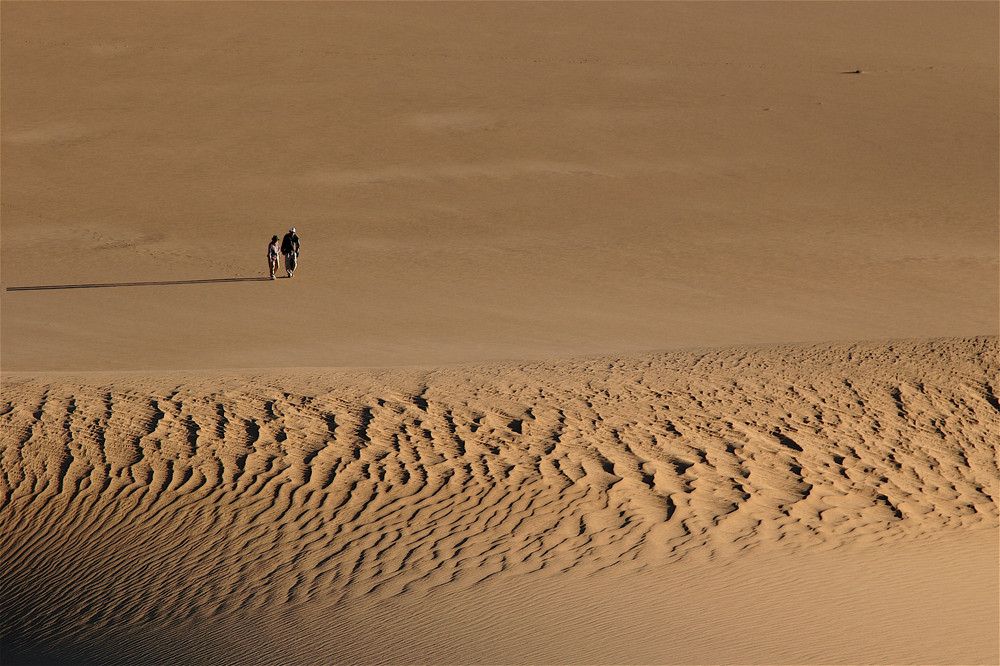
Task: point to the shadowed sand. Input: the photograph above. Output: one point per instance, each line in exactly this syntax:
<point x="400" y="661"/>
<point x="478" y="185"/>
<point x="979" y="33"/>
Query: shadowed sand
<point x="50" y="287"/>
<point x="415" y="515"/>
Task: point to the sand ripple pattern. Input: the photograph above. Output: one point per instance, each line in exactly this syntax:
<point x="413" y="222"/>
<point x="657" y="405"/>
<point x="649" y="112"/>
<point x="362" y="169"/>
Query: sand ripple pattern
<point x="173" y="497"/>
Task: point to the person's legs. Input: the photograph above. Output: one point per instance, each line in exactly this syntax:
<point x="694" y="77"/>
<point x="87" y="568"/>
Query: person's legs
<point x="272" y="263"/>
<point x="289" y="264"/>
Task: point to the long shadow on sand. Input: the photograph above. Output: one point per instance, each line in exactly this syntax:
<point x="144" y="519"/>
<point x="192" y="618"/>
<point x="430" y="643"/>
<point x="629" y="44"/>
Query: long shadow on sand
<point x="135" y="284"/>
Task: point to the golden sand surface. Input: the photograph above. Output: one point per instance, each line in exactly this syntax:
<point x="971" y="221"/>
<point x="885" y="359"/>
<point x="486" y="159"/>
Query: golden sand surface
<point x="623" y="332"/>
<point x="837" y="502"/>
<point x="492" y="181"/>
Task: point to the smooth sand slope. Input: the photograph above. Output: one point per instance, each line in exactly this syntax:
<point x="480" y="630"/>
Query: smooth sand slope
<point x="492" y="181"/>
<point x="780" y="504"/>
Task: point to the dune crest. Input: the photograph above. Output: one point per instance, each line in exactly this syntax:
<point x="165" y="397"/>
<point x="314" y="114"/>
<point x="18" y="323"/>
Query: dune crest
<point x="265" y="491"/>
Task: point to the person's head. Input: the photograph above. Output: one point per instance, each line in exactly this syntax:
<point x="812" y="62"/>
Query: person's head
<point x="274" y="238"/>
<point x="292" y="230"/>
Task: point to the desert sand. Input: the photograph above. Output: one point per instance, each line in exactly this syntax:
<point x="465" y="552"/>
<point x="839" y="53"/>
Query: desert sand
<point x="655" y="332"/>
<point x="773" y="505"/>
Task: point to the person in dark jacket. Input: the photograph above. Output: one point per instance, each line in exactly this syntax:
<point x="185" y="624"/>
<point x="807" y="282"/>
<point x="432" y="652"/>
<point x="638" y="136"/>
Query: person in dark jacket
<point x="290" y="248"/>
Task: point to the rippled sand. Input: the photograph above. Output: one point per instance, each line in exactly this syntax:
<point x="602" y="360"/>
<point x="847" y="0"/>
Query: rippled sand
<point x="623" y="332"/>
<point x="310" y="504"/>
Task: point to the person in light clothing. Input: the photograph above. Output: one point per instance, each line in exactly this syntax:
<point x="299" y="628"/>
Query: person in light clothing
<point x="272" y="255"/>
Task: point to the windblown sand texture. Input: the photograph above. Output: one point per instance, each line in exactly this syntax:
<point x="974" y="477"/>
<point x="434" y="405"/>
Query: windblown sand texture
<point x="241" y="513"/>
<point x="653" y="332"/>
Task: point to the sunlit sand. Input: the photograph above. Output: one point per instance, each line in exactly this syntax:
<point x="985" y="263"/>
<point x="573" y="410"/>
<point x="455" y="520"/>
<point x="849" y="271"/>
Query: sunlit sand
<point x="653" y="332"/>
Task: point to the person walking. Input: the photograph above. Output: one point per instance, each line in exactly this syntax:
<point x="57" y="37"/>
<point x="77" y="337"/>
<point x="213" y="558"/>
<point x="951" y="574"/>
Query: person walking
<point x="290" y="248"/>
<point x="272" y="255"/>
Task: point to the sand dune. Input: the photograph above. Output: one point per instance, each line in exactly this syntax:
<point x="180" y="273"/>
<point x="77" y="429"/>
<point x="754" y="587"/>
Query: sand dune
<point x="194" y="507"/>
<point x="507" y="211"/>
<point x="492" y="181"/>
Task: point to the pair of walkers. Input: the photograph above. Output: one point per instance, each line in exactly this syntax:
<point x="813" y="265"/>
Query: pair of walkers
<point x="289" y="248"/>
